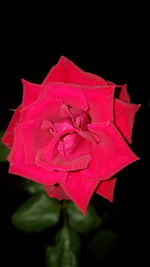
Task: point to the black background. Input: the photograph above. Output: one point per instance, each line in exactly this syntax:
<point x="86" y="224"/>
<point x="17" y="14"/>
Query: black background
<point x="113" y="46"/>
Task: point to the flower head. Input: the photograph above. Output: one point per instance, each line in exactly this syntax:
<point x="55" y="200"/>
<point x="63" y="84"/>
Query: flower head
<point x="72" y="134"/>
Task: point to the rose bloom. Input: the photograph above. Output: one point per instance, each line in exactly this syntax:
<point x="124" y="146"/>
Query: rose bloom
<point x="72" y="134"/>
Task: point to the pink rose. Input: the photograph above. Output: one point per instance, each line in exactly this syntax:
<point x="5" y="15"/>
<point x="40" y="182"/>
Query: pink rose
<point x="71" y="134"/>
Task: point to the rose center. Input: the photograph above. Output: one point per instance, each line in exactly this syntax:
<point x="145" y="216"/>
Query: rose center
<point x="72" y="132"/>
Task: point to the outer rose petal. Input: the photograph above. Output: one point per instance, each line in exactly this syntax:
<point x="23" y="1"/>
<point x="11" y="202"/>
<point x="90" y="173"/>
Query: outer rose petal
<point x="110" y="83"/>
<point x="106" y="189"/>
<point x="66" y="71"/>
<point x="124" y="117"/>
<point x="109" y="156"/>
<point x="8" y="137"/>
<point x="18" y="165"/>
<point x="70" y="94"/>
<point x="79" y="190"/>
<point x="100" y="101"/>
<point x="31" y="92"/>
<point x="124" y="94"/>
<point x="56" y="192"/>
<point x="33" y="139"/>
<point x="43" y="109"/>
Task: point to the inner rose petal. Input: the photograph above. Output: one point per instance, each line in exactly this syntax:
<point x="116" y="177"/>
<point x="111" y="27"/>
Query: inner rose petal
<point x="63" y="125"/>
<point x="73" y="146"/>
<point x="51" y="159"/>
<point x="80" y="118"/>
<point x="72" y="142"/>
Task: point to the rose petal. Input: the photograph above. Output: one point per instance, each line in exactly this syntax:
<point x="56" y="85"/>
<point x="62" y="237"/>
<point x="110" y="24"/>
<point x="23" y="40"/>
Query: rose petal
<point x="63" y="124"/>
<point x="34" y="139"/>
<point x="8" y="137"/>
<point x="43" y="109"/>
<point x="110" y="155"/>
<point x="19" y="167"/>
<point x="79" y="118"/>
<point x="31" y="92"/>
<point x="56" y="192"/>
<point x="69" y="94"/>
<point x="73" y="146"/>
<point x="50" y="158"/>
<point x="79" y="190"/>
<point x="124" y="117"/>
<point x="110" y="83"/>
<point x="106" y="189"/>
<point x="66" y="71"/>
<point x="124" y="94"/>
<point x="100" y="101"/>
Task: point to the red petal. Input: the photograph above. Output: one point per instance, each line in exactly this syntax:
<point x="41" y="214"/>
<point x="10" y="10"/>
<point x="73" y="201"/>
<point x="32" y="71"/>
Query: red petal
<point x="34" y="138"/>
<point x="43" y="109"/>
<point x="110" y="83"/>
<point x="70" y="94"/>
<point x="100" y="101"/>
<point x="109" y="156"/>
<point x="73" y="146"/>
<point x="33" y="172"/>
<point x="56" y="192"/>
<point x="50" y="158"/>
<point x="79" y="189"/>
<point x="8" y="137"/>
<point x="124" y="117"/>
<point x="124" y="94"/>
<point x="66" y="71"/>
<point x="31" y="92"/>
<point x="106" y="189"/>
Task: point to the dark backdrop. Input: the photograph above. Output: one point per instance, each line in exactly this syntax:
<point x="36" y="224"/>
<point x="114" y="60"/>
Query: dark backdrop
<point x="116" y="53"/>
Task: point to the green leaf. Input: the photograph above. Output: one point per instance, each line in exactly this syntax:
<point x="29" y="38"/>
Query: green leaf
<point x="103" y="244"/>
<point x="38" y="213"/>
<point x="4" y="151"/>
<point x="32" y="187"/>
<point x="66" y="251"/>
<point x="83" y="223"/>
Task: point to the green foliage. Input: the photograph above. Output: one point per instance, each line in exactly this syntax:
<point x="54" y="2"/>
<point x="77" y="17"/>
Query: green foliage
<point x="4" y="151"/>
<point x="83" y="223"/>
<point x="38" y="213"/>
<point x="32" y="187"/>
<point x="66" y="251"/>
<point x="103" y="244"/>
